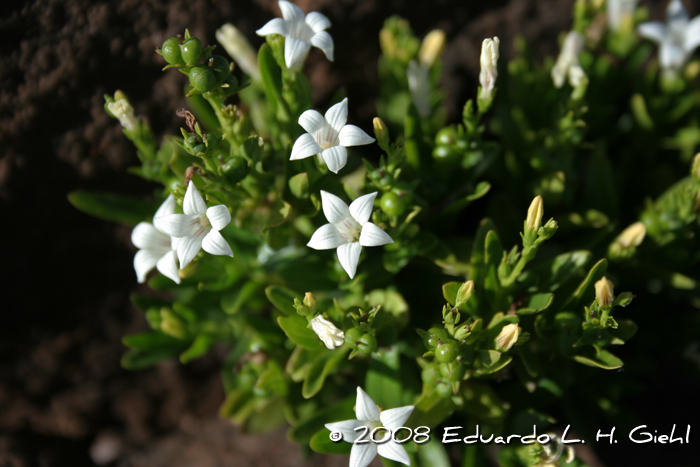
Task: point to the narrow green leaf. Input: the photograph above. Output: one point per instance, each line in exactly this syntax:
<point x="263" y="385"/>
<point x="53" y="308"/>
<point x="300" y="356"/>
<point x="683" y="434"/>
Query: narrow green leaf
<point x="295" y="327"/>
<point x="321" y="443"/>
<point x="199" y="347"/>
<point x="536" y="303"/>
<point x="604" y="360"/>
<point x="282" y="298"/>
<point x="324" y="365"/>
<point x="122" y="209"/>
<point x="449" y="291"/>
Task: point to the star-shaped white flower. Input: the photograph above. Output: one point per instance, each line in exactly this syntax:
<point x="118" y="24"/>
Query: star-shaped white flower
<point x="198" y="228"/>
<point x="300" y="32"/>
<point x="348" y="229"/>
<point x="328" y="136"/>
<point x="677" y="39"/>
<point x="369" y="415"/>
<point x="330" y="335"/>
<point x="156" y="248"/>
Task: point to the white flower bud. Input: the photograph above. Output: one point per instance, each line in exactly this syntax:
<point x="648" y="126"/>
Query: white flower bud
<point x="124" y="112"/>
<point x="331" y="336"/>
<point x="507" y="337"/>
<point x="489" y="66"/>
<point x="604" y="292"/>
<point x="534" y="215"/>
<point x="238" y="47"/>
<point x="632" y="236"/>
<point x="431" y="48"/>
<point x="567" y="62"/>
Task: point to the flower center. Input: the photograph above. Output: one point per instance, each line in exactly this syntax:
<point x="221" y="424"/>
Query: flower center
<point x="204" y="221"/>
<point x="325" y="145"/>
<point x="349" y="229"/>
<point x="302" y="32"/>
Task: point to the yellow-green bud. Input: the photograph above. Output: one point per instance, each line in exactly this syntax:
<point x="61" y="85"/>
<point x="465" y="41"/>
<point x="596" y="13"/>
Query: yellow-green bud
<point x="695" y="170"/>
<point x="604" y="292"/>
<point x="310" y="300"/>
<point x="534" y="215"/>
<point x="464" y="293"/>
<point x="431" y="48"/>
<point x="123" y="111"/>
<point x="507" y="337"/>
<point x="632" y="236"/>
<point x="171" y="324"/>
<point x="381" y="132"/>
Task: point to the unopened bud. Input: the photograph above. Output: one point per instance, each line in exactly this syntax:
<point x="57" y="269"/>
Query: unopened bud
<point x="534" y="215"/>
<point x="567" y="62"/>
<point x="507" y="337"/>
<point x="695" y="170"/>
<point x="124" y="112"/>
<point x="310" y="300"/>
<point x="171" y="324"/>
<point x="489" y="66"/>
<point x="330" y="335"/>
<point x="238" y="47"/>
<point x="431" y="48"/>
<point x="464" y="293"/>
<point x="632" y="236"/>
<point x="381" y="132"/>
<point x="604" y="292"/>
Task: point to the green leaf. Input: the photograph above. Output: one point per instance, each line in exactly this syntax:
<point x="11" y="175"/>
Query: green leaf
<point x="199" y="347"/>
<point x="626" y="329"/>
<point x="430" y="410"/>
<point x="122" y="209"/>
<point x="299" y="185"/>
<point x="432" y="454"/>
<point x="304" y="431"/>
<point x="324" y="364"/>
<point x="282" y="298"/>
<point x="272" y="380"/>
<point x="145" y="302"/>
<point x="478" y="254"/>
<point x="321" y="443"/>
<point x="489" y="357"/>
<point x="238" y="406"/>
<point x="493" y="253"/>
<point x="232" y="302"/>
<point x="271" y="76"/>
<point x="604" y="360"/>
<point x="595" y="274"/>
<point x="295" y="327"/>
<point x="382" y="382"/>
<point x="552" y="274"/>
<point x="449" y="291"/>
<point x="279" y="210"/>
<point x="152" y="340"/>
<point x="624" y="299"/>
<point x="139" y="359"/>
<point x="538" y="302"/>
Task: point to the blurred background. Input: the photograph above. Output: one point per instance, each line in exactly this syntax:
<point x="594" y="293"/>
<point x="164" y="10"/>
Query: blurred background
<point x="66" y="277"/>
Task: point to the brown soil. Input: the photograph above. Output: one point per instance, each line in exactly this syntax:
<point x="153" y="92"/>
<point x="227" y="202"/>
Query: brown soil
<point x="64" y="400"/>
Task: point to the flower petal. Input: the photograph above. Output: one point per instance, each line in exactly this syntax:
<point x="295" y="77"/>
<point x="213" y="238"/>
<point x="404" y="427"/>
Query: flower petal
<point x="335" y="158"/>
<point x="323" y="41"/>
<point x="393" y="451"/>
<point x="317" y="21"/>
<point x="178" y="225"/>
<point x="167" y="208"/>
<point x="692" y="34"/>
<point x="214" y="243"/>
<point x="361" y="208"/>
<point x="350" y="135"/>
<point x="334" y="208"/>
<point x="274" y="26"/>
<point x="304" y="147"/>
<point x="365" y="408"/>
<point x="349" y="256"/>
<point x="676" y="15"/>
<point x="218" y="216"/>
<point x="326" y="237"/>
<point x="146" y="235"/>
<point x="167" y="265"/>
<point x="295" y="51"/>
<point x="653" y="30"/>
<point x="291" y="13"/>
<point x="395" y="418"/>
<point x="337" y="116"/>
<point x="188" y="247"/>
<point x="347" y="428"/>
<point x="193" y="203"/>
<point x="311" y="121"/>
<point x="361" y="455"/>
<point x="671" y="57"/>
<point x="372" y="235"/>
<point x="144" y="262"/>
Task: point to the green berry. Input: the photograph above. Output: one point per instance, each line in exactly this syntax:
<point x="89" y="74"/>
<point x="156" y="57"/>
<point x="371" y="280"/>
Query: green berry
<point x="452" y="371"/>
<point x="446" y="137"/>
<point x="171" y="51"/>
<point x="220" y="66"/>
<point x="431" y="375"/>
<point x="235" y="169"/>
<point x="445" y="153"/>
<point x="447" y="351"/>
<point x="199" y="148"/>
<point x="444" y="389"/>
<point x="192" y="51"/>
<point x="433" y="334"/>
<point x="202" y="78"/>
<point x="391" y="204"/>
<point x="367" y="344"/>
<point x="352" y="336"/>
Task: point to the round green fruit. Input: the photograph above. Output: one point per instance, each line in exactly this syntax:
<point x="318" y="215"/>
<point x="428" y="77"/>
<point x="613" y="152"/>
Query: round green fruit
<point x="431" y="374"/>
<point x="235" y="169"/>
<point x="452" y="371"/>
<point x="444" y="389"/>
<point x="391" y="204"/>
<point x="367" y="344"/>
<point x="446" y="137"/>
<point x="202" y="78"/>
<point x="171" y="51"/>
<point x="433" y="334"/>
<point x="220" y="66"/>
<point x="447" y="351"/>
<point x="353" y="336"/>
<point x="192" y="51"/>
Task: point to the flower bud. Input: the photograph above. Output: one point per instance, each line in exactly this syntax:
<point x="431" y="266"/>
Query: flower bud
<point x="567" y="62"/>
<point x="604" y="292"/>
<point x="330" y="335"/>
<point x="381" y="132"/>
<point x="310" y="300"/>
<point x="534" y="214"/>
<point x="489" y="68"/>
<point x="464" y="293"/>
<point x="238" y="47"/>
<point x="632" y="236"/>
<point x="171" y="324"/>
<point x="695" y="169"/>
<point x="124" y="112"/>
<point x="507" y="337"/>
<point x="431" y="48"/>
<point x="619" y="12"/>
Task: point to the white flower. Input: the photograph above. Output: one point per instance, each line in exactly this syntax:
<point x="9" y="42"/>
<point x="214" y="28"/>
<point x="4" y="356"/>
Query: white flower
<point x="238" y="47"/>
<point x="156" y="248"/>
<point x="327" y="332"/>
<point x="419" y="85"/>
<point x="618" y="10"/>
<point x="328" y="136"/>
<point x="677" y="39"/>
<point x="124" y="112"/>
<point x="197" y="228"/>
<point x="369" y="415"/>
<point x="301" y="32"/>
<point x="348" y="229"/>
<point x="489" y="68"/>
<point x="567" y="62"/>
